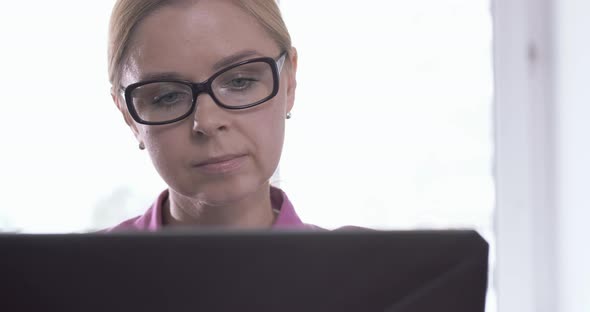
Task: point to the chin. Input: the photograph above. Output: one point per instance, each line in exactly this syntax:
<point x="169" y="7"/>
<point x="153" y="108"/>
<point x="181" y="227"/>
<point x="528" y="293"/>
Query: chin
<point x="226" y="191"/>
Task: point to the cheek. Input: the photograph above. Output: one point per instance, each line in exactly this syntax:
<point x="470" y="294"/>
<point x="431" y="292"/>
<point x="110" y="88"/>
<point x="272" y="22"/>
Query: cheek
<point x="165" y="150"/>
<point x="270" y="133"/>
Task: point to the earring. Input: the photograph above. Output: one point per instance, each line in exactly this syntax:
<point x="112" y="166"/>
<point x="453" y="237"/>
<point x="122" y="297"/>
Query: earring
<point x="141" y="146"/>
<point x="289" y="115"/>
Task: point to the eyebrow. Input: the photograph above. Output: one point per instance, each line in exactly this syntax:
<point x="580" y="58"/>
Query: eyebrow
<point x="234" y="58"/>
<point x="226" y="61"/>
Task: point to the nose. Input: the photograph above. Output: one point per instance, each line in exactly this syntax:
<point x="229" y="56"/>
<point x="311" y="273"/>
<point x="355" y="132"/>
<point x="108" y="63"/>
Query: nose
<point x="209" y="118"/>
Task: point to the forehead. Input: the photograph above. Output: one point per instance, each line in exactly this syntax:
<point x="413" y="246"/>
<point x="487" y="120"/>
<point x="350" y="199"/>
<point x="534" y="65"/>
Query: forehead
<point x="190" y="39"/>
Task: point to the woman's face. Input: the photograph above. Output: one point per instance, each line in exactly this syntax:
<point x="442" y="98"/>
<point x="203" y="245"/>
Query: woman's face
<point x="189" y="41"/>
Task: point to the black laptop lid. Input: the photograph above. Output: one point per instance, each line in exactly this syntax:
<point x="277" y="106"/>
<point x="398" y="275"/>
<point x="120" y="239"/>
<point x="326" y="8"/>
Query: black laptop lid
<point x="245" y="271"/>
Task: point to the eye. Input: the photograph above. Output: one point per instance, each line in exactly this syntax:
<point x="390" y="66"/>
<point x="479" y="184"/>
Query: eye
<point x="240" y="83"/>
<point x="170" y="98"/>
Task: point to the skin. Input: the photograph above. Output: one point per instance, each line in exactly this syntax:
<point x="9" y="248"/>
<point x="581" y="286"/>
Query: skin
<point x="187" y="40"/>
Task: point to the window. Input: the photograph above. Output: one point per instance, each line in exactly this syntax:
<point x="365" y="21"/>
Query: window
<point x="393" y="110"/>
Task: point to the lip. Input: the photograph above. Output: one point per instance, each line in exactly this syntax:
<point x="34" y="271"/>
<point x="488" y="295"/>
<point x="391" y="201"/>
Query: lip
<point x="221" y="164"/>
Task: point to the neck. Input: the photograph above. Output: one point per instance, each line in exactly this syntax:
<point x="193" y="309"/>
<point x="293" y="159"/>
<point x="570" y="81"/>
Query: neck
<point x="253" y="211"/>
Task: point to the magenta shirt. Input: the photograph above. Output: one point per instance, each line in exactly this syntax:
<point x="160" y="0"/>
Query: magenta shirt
<point x="151" y="220"/>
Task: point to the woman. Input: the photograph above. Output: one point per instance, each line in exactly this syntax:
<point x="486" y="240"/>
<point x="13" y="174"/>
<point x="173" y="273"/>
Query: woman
<point x="205" y="86"/>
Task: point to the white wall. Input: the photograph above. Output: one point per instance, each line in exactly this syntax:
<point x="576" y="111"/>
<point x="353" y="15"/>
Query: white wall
<point x="542" y="68"/>
<point x="524" y="156"/>
<point x="573" y="98"/>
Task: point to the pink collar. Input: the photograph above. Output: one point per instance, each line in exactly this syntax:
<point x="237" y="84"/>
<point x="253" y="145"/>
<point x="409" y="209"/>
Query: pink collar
<point x="151" y="220"/>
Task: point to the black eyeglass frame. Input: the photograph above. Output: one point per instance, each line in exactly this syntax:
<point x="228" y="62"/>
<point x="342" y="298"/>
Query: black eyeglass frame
<point x="205" y="87"/>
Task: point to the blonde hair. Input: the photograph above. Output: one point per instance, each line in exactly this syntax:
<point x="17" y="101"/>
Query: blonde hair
<point x="127" y="14"/>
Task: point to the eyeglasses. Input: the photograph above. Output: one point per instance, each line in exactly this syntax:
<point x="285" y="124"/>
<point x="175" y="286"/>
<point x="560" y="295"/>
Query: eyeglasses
<point x="239" y="86"/>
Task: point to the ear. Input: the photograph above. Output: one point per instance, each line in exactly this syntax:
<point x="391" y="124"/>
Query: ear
<point x="120" y="103"/>
<point x="291" y="79"/>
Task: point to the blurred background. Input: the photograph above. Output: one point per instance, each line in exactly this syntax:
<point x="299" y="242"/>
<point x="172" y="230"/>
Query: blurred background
<point x="393" y="109"/>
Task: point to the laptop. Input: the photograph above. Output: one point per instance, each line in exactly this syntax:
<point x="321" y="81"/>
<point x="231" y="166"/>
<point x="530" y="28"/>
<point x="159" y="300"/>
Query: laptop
<point x="184" y="270"/>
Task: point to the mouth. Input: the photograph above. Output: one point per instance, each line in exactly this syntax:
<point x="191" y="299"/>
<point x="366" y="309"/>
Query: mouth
<point x="221" y="164"/>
